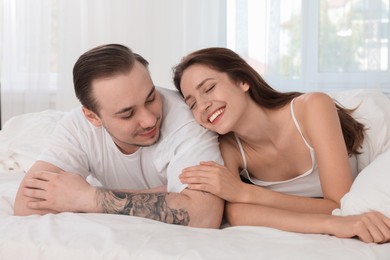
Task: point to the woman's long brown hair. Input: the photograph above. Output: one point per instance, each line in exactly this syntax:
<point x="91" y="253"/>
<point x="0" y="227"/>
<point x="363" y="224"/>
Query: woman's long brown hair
<point x="229" y="62"/>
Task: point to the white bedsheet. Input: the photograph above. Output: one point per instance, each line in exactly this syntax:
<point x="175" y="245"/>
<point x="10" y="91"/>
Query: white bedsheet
<point x="103" y="236"/>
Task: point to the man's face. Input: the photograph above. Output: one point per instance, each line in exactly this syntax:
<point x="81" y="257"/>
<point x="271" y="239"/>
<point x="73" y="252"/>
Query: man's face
<point x="130" y="108"/>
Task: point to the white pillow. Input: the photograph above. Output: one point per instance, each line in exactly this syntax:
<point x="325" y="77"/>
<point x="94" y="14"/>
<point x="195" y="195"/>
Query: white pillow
<point x="373" y="110"/>
<point x="371" y="189"/>
<point x="23" y="137"/>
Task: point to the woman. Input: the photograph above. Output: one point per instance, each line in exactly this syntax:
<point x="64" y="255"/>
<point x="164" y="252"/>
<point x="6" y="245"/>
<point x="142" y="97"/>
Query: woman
<point x="296" y="148"/>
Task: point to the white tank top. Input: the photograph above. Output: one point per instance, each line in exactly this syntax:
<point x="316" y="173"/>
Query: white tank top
<point x="306" y="184"/>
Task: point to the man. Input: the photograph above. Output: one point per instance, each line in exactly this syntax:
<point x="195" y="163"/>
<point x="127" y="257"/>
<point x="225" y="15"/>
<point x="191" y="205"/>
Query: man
<point x="133" y="138"/>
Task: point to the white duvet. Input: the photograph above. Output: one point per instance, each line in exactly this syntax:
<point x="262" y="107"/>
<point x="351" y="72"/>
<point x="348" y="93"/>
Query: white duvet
<point x="103" y="236"/>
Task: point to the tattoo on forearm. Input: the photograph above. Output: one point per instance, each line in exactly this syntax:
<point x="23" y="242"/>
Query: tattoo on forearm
<point x="147" y="205"/>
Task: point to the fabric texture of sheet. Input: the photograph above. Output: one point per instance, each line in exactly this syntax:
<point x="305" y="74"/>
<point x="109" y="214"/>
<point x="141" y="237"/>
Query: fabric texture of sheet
<point x="104" y="236"/>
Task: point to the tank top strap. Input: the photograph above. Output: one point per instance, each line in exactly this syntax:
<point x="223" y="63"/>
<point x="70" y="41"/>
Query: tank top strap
<point x="296" y="123"/>
<point x="241" y="150"/>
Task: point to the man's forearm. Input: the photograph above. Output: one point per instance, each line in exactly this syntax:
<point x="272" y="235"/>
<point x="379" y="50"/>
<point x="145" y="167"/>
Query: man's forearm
<point x="67" y="192"/>
<point x="147" y="205"/>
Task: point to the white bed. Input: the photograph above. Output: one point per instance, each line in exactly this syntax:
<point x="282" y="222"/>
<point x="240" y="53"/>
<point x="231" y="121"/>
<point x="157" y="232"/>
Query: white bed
<point x="104" y="236"/>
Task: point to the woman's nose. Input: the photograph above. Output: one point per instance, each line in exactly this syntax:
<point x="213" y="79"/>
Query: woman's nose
<point x="204" y="105"/>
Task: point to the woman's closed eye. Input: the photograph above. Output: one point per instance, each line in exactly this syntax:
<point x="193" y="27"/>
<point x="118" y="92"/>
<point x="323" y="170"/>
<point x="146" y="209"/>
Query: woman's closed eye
<point x="192" y="105"/>
<point x="210" y="88"/>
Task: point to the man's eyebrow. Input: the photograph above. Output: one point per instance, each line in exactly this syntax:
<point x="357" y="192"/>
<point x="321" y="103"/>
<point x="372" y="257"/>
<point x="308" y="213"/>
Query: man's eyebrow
<point x="123" y="110"/>
<point x="127" y="109"/>
<point x="197" y="87"/>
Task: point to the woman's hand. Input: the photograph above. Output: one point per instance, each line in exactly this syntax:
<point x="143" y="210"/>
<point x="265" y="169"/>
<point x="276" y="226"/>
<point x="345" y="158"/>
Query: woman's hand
<point x="214" y="178"/>
<point x="370" y="227"/>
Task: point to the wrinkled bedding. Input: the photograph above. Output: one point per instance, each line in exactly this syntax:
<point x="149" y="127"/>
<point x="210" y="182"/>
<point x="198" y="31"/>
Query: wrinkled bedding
<point x="104" y="236"/>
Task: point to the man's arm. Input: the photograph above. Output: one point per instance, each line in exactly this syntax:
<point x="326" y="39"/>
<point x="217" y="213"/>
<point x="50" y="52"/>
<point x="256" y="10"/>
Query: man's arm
<point x="187" y="208"/>
<point x="20" y="205"/>
<point x="70" y="192"/>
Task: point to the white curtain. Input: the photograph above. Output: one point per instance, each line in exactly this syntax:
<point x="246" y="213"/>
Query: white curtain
<point x="310" y="45"/>
<point x="42" y="39"/>
<point x="25" y="57"/>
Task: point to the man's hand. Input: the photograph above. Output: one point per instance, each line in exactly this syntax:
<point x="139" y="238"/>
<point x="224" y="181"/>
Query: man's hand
<point x="21" y="201"/>
<point x="61" y="192"/>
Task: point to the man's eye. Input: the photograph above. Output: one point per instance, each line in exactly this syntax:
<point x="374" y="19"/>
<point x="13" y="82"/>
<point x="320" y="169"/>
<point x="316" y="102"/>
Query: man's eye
<point x="127" y="116"/>
<point x="151" y="100"/>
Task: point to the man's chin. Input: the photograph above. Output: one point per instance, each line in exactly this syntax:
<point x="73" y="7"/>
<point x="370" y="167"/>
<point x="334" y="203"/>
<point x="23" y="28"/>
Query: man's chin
<point x="151" y="141"/>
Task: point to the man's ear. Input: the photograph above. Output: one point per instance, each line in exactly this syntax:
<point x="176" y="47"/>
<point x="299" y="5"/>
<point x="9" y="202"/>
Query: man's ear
<point x="92" y="117"/>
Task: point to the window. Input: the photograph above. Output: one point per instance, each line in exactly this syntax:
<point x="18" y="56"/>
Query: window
<point x="309" y="45"/>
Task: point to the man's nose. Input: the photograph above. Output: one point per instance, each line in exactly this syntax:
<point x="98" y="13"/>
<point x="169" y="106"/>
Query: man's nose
<point x="147" y="118"/>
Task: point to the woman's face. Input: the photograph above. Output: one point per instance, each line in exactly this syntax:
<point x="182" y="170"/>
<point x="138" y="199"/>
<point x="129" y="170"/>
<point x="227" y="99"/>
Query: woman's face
<point x="216" y="101"/>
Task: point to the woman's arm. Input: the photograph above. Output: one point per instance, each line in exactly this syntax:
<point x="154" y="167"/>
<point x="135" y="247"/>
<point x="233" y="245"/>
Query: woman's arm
<point x="320" y="124"/>
<point x="368" y="227"/>
<point x="219" y="180"/>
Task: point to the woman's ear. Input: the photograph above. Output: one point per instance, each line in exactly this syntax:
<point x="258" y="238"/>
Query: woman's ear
<point x="244" y="86"/>
<point x="92" y="117"/>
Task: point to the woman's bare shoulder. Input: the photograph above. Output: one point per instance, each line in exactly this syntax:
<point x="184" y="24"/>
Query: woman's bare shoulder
<point x="314" y="99"/>
<point x="313" y="104"/>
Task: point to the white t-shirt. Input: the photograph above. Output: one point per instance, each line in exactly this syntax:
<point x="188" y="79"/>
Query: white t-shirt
<point x="79" y="147"/>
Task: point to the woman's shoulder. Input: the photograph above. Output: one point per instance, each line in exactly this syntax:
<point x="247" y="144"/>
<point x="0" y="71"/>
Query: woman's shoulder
<point x="313" y="98"/>
<point x="313" y="103"/>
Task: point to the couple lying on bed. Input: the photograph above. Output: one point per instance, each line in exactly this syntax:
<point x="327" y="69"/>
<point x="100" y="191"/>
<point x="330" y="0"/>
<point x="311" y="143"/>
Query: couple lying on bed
<point x="154" y="160"/>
